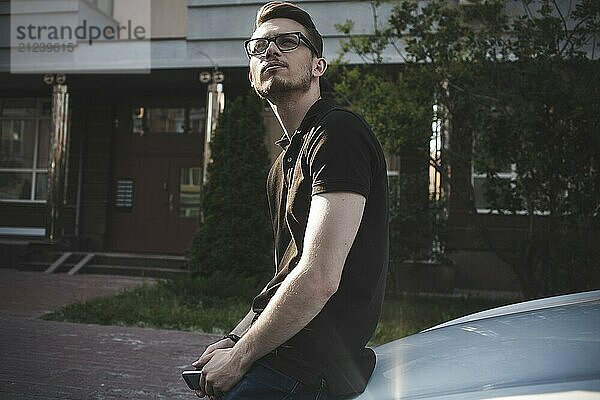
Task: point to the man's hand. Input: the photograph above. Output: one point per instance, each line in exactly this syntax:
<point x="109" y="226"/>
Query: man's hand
<point x="221" y="373"/>
<point x="210" y="350"/>
<point x="207" y="355"/>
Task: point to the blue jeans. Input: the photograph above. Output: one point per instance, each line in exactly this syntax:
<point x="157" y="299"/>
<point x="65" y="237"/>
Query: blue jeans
<point x="265" y="383"/>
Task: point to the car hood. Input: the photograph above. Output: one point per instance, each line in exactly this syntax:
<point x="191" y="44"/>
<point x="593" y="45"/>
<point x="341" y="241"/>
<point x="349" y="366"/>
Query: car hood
<point x="547" y="348"/>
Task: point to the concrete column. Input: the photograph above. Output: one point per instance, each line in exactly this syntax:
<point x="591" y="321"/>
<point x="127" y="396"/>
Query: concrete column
<point x="215" y="103"/>
<point x="58" y="160"/>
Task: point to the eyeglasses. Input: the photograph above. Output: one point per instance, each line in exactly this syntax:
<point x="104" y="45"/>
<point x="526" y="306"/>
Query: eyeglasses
<point x="284" y="42"/>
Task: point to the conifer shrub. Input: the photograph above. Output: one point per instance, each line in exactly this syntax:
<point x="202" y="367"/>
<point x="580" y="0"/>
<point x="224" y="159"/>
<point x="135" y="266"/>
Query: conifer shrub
<point x="234" y="238"/>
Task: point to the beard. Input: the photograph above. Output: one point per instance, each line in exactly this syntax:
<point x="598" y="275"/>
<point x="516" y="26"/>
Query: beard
<point x="277" y="87"/>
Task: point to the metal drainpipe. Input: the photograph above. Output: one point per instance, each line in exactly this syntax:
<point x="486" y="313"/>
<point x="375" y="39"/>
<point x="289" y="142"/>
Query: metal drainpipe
<point x="79" y="184"/>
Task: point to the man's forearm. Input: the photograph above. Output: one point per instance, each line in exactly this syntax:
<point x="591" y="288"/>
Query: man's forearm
<point x="297" y="301"/>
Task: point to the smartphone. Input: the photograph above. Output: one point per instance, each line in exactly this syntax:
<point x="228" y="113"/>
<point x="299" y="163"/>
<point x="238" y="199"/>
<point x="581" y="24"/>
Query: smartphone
<point x="192" y="378"/>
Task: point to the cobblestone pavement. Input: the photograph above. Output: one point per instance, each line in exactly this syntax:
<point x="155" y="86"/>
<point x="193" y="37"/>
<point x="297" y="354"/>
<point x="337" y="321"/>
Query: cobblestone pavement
<point x="36" y="293"/>
<point x="59" y="360"/>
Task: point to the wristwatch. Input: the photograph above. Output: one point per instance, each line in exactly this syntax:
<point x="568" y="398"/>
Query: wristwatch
<point x="232" y="336"/>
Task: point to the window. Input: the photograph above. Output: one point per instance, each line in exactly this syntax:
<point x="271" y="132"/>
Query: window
<point x="510" y="203"/>
<point x="493" y="175"/>
<point x="24" y="149"/>
<point x="478" y="179"/>
<point x="189" y="192"/>
<point x="179" y="120"/>
<point x="436" y="145"/>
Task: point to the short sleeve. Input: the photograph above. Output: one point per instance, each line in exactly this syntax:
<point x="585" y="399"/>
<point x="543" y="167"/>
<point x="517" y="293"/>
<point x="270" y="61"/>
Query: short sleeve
<point x="341" y="155"/>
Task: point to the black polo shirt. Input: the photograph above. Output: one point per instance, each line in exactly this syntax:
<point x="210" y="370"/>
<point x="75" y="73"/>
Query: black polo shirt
<point x="333" y="150"/>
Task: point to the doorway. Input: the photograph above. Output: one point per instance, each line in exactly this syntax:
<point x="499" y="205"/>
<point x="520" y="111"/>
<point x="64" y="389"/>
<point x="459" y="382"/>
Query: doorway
<point x="156" y="185"/>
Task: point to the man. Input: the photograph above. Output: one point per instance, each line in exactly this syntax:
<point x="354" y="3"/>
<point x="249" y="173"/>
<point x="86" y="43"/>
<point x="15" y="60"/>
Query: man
<point x="305" y="336"/>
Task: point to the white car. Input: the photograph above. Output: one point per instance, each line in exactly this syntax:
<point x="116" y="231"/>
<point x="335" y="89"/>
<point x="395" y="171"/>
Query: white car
<point x="546" y="349"/>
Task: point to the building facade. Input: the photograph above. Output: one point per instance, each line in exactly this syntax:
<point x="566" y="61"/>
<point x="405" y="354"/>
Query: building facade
<point x="121" y="168"/>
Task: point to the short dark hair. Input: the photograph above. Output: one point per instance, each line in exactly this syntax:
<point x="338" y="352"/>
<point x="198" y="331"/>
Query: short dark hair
<point x="283" y="9"/>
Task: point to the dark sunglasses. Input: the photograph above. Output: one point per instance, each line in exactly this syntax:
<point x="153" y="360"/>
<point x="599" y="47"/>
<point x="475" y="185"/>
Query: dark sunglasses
<point x="285" y="42"/>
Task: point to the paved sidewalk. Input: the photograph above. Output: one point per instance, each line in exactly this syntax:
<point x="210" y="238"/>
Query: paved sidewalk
<point x="58" y="360"/>
<point x="36" y="293"/>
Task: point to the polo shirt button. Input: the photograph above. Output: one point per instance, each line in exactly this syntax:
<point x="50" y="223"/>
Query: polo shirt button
<point x="289" y="159"/>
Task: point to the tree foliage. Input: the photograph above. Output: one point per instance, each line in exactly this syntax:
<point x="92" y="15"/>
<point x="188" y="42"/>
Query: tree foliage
<point x="516" y="89"/>
<point x="235" y="237"/>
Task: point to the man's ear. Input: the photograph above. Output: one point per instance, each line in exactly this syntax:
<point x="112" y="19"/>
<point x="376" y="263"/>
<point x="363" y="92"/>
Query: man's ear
<point x="319" y="67"/>
<point x="250" y="78"/>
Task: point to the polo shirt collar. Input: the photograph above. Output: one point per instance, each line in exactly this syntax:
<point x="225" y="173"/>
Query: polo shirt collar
<point x="314" y="112"/>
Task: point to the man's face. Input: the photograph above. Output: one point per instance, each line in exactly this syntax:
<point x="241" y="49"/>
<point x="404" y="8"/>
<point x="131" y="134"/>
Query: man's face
<point x="274" y="73"/>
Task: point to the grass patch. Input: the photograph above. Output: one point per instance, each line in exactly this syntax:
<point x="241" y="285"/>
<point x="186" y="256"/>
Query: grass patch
<point x="183" y="304"/>
<point x="216" y="305"/>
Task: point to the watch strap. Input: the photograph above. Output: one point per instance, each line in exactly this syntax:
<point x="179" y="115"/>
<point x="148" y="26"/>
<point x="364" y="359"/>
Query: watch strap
<point x="233" y="337"/>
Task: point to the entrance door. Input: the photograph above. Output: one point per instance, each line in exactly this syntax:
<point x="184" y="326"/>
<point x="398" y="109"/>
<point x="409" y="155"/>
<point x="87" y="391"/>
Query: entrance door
<point x="156" y="185"/>
<point x="183" y="203"/>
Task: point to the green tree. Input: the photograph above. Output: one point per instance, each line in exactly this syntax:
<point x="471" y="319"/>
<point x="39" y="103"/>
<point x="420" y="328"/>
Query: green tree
<point x="520" y="91"/>
<point x="234" y="238"/>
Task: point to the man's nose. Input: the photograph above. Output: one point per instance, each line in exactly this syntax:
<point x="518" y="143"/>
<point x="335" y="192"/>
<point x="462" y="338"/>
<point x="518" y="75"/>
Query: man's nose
<point x="272" y="49"/>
